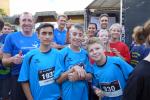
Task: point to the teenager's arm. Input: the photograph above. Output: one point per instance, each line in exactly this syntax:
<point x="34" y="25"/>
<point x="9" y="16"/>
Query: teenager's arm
<point x="64" y="76"/>
<point x="27" y="91"/>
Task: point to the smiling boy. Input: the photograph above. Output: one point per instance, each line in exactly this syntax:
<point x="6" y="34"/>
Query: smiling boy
<point x="75" y="83"/>
<point x="110" y="73"/>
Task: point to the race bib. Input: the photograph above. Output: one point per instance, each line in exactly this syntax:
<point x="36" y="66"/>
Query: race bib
<point x="46" y="76"/>
<point x="111" y="89"/>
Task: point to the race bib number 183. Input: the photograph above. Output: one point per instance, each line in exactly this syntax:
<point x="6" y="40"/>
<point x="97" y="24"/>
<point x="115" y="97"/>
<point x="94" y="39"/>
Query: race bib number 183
<point x="46" y="76"/>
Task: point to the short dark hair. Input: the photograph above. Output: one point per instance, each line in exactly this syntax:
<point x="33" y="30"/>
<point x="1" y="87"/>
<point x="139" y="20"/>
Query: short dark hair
<point x="94" y="24"/>
<point x="102" y="15"/>
<point x="44" y="25"/>
<point x="62" y="16"/>
<point x="1" y="24"/>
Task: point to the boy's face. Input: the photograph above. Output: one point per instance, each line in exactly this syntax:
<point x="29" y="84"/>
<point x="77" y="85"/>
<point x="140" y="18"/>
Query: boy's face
<point x="76" y="37"/>
<point x="6" y="29"/>
<point x="104" y="37"/>
<point x="115" y="32"/>
<point x="96" y="52"/>
<point x="46" y="36"/>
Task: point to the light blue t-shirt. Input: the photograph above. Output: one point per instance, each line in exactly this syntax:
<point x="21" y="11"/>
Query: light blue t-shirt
<point x="41" y="70"/>
<point x="60" y="36"/>
<point x="77" y="90"/>
<point x="111" y="77"/>
<point x="15" y="42"/>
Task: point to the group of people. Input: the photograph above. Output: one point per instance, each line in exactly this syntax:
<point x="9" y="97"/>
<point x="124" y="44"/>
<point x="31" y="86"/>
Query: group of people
<point x="64" y="63"/>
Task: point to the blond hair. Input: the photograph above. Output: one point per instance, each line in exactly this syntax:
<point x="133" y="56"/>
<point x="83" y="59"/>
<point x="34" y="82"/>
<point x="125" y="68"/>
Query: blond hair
<point x="138" y="35"/>
<point x="147" y="32"/>
<point x="7" y="24"/>
<point x="147" y="27"/>
<point x="116" y="25"/>
<point x="94" y="40"/>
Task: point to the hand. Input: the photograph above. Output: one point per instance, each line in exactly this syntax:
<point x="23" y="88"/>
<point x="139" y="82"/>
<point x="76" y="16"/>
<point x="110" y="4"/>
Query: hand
<point x="17" y="59"/>
<point x="73" y="76"/>
<point x="114" y="50"/>
<point x="81" y="72"/>
<point x="98" y="92"/>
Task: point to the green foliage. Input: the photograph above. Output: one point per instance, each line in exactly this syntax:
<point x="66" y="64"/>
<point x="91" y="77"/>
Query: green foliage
<point x="2" y="12"/>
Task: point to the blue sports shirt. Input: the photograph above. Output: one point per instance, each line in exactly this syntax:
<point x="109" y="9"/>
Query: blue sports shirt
<point x="41" y="70"/>
<point x="60" y="36"/>
<point x="111" y="77"/>
<point x="16" y="42"/>
<point x="77" y="90"/>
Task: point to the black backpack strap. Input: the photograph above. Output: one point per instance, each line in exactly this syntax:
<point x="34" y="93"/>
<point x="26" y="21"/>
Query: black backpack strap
<point x="121" y="70"/>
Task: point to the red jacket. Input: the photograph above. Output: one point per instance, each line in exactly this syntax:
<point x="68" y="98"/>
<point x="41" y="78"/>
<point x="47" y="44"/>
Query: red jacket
<point x="123" y="49"/>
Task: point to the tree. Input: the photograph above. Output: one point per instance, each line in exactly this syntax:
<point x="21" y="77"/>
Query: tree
<point x="2" y="12"/>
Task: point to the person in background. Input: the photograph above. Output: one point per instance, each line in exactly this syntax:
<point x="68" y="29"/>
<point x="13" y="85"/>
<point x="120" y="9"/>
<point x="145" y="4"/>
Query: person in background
<point x="138" y="85"/>
<point x="138" y="51"/>
<point x="84" y="42"/>
<point x="5" y="31"/>
<point x="92" y="30"/>
<point x="60" y="32"/>
<point x="75" y="82"/>
<point x="119" y="48"/>
<point x="39" y="79"/>
<point x="4" y="73"/>
<point x="15" y="48"/>
<point x="109" y="73"/>
<point x="103" y="20"/>
<point x="104" y="36"/>
<point x="68" y="26"/>
<point x="1" y="24"/>
<point x="147" y="31"/>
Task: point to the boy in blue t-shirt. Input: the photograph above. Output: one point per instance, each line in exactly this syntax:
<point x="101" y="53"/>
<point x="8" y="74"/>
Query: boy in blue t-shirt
<point x="110" y="73"/>
<point x="5" y="84"/>
<point x="76" y="69"/>
<point x="40" y="68"/>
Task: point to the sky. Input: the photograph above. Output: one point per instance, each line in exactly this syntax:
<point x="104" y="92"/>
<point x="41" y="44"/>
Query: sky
<point x="19" y="6"/>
